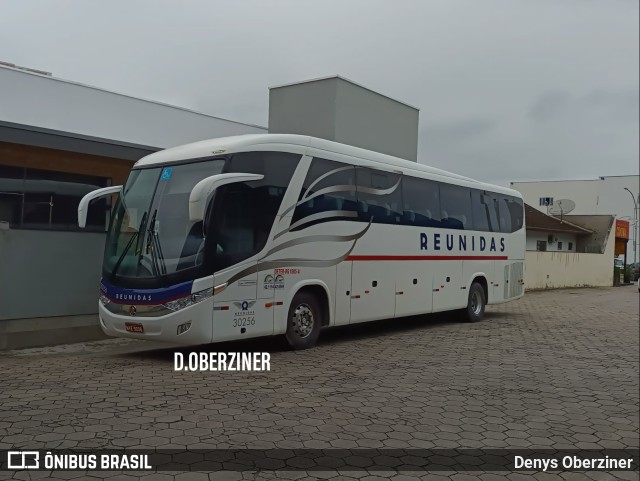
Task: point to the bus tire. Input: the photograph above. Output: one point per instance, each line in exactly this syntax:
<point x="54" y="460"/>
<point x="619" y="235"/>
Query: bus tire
<point x="304" y="321"/>
<point x="476" y="303"/>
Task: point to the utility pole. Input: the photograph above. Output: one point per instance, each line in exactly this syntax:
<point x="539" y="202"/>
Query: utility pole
<point x="635" y="223"/>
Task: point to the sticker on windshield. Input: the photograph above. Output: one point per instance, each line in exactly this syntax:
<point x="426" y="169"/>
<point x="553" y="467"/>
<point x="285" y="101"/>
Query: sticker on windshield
<point x="166" y="173"/>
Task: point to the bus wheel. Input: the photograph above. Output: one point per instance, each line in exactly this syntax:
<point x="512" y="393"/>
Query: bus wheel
<point x="476" y="303"/>
<point x="304" y="321"/>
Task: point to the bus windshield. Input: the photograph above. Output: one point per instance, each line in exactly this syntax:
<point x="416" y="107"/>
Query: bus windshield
<point x="150" y="234"/>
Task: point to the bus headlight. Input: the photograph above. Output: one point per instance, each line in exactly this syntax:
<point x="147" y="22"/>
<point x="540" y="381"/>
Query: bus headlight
<point x="104" y="299"/>
<point x="189" y="300"/>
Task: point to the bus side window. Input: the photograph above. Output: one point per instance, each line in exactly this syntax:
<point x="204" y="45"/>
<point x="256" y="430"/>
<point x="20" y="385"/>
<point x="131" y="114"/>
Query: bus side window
<point x="245" y="211"/>
<point x="504" y="214"/>
<point x="516" y="213"/>
<point x="338" y="182"/>
<point x="420" y="199"/>
<point x="455" y="205"/>
<point x="485" y="214"/>
<point x="379" y="196"/>
<point x="491" y="204"/>
<point x="481" y="220"/>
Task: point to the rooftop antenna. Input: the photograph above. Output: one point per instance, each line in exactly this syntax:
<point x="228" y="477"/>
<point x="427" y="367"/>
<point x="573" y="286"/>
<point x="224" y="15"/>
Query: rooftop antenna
<point x="561" y="207"/>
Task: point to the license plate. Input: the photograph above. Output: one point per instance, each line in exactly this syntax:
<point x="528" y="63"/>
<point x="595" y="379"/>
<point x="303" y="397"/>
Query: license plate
<point x="134" y="327"/>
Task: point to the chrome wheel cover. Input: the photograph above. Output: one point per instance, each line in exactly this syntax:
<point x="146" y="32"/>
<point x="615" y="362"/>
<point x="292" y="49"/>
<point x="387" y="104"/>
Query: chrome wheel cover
<point x="302" y="321"/>
<point x="476" y="302"/>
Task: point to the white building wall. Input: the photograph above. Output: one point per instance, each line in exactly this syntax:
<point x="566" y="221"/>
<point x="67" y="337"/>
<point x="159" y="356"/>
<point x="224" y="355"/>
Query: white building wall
<point x="534" y="236"/>
<point x="57" y="104"/>
<point x="340" y="110"/>
<point x="549" y="270"/>
<point x="592" y="197"/>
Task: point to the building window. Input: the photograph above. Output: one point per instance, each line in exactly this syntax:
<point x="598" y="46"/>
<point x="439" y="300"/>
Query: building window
<point x="43" y="199"/>
<point x="546" y="201"/>
<point x="570" y="246"/>
<point x="541" y="245"/>
<point x="560" y="245"/>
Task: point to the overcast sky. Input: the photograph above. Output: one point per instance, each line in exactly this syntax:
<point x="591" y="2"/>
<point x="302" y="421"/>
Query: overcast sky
<point x="507" y="89"/>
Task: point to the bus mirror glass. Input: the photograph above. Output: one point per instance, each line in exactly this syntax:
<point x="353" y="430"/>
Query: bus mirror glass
<point x="203" y="190"/>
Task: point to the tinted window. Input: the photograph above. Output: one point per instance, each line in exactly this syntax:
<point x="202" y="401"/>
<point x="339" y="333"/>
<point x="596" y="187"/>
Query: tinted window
<point x="379" y="196"/>
<point x="516" y="212"/>
<point x="124" y="243"/>
<point x="455" y="207"/>
<point x="46" y="199"/>
<point x="11" y="194"/>
<point x="328" y="192"/>
<point x="421" y="202"/>
<point x="485" y="215"/>
<point x="10" y="207"/>
<point x="179" y="249"/>
<point x="243" y="213"/>
<point x="504" y="215"/>
<point x="511" y="213"/>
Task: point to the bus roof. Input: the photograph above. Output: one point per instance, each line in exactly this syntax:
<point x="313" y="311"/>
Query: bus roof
<point x="302" y="144"/>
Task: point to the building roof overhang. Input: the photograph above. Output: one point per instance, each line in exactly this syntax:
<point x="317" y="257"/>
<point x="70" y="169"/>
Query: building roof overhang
<point x="539" y="221"/>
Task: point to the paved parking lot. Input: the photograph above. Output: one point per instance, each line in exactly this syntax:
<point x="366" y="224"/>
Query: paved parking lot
<point x="557" y="369"/>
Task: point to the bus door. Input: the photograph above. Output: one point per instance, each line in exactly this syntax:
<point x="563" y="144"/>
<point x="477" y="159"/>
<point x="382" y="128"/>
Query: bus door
<point x="343" y="293"/>
<point x="234" y="306"/>
<point x="243" y="308"/>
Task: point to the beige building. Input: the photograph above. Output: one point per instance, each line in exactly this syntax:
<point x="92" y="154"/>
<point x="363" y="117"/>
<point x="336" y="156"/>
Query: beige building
<point x="575" y="251"/>
<point x="614" y="195"/>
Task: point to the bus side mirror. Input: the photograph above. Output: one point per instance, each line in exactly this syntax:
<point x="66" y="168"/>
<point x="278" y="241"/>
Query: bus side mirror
<point x="83" y="206"/>
<point x="203" y="190"/>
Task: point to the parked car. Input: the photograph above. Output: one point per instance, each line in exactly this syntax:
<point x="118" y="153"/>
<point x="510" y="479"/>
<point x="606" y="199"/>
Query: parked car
<point x="635" y="271"/>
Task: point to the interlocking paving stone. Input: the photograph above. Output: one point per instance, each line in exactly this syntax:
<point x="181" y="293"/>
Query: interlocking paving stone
<point x="555" y="369"/>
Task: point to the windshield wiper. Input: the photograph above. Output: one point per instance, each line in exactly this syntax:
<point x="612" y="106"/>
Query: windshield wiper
<point x="153" y="245"/>
<point x="134" y="237"/>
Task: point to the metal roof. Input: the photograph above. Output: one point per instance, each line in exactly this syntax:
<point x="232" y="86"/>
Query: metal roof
<point x="539" y="221"/>
<point x="49" y="76"/>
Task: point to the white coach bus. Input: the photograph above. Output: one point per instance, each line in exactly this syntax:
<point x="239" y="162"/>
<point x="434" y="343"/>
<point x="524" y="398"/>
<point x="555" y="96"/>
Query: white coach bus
<point x="270" y="234"/>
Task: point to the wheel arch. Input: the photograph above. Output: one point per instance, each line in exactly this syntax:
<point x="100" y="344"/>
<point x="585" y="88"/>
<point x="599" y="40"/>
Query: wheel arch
<point x="321" y="291"/>
<point x="480" y="278"/>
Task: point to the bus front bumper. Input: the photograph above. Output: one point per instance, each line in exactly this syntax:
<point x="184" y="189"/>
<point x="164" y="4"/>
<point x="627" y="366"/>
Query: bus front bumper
<point x="191" y="325"/>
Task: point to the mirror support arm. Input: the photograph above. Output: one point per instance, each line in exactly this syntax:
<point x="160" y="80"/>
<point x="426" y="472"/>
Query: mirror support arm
<point x="203" y="190"/>
<point x="83" y="206"/>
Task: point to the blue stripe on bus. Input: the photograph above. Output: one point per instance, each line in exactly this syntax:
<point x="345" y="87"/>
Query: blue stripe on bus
<point x="120" y="295"/>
